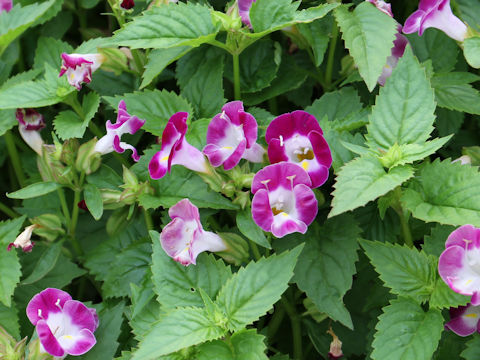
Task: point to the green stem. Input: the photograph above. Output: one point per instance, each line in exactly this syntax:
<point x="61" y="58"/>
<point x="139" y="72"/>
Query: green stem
<point x="7" y="211"/>
<point x="276" y="321"/>
<point x="220" y="45"/>
<point x="148" y="219"/>
<point x="95" y="130"/>
<point x="296" y="329"/>
<point x="407" y="234"/>
<point x="63" y="203"/>
<point x="72" y="100"/>
<point x="75" y="212"/>
<point x="331" y="55"/>
<point x="236" y="77"/>
<point x="14" y="158"/>
<point x="137" y="61"/>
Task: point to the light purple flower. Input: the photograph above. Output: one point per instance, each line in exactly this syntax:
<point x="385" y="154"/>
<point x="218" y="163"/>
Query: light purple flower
<point x="79" y="67"/>
<point x="232" y="136"/>
<point x="5" y="5"/>
<point x="459" y="263"/>
<point x="464" y="320"/>
<point x="125" y="123"/>
<point x="244" y="10"/>
<point x="283" y="202"/>
<point x="64" y="326"/>
<point x="398" y="45"/>
<point x="437" y="14"/>
<point x="184" y="238"/>
<point x="176" y="150"/>
<point x="297" y="138"/>
<point x="30" y="122"/>
<point x="24" y="240"/>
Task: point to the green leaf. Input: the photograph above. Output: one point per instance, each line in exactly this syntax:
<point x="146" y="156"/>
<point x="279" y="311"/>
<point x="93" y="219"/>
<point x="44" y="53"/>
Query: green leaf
<point x="34" y="190"/>
<point x="444" y="298"/>
<point x="110" y="326"/>
<point x="159" y="59"/>
<point x="69" y="125"/>
<point x="155" y="107"/>
<point x="9" y="264"/>
<point x="336" y="105"/>
<point x="472" y="351"/>
<point x="406" y="271"/>
<point x="368" y="35"/>
<point x="447" y="194"/>
<point x="45" y="264"/>
<point x="253" y="290"/>
<point x="453" y="92"/>
<point x="434" y="244"/>
<point x="9" y="320"/>
<point x="364" y="179"/>
<point x="326" y="265"/>
<point x="317" y="35"/>
<point x="93" y="199"/>
<point x="105" y="178"/>
<point x="7" y="120"/>
<point x="180" y="328"/>
<point x="247" y="227"/>
<point x="19" y="19"/>
<point x="28" y="94"/>
<point x="90" y="104"/>
<point x="169" y="26"/>
<point x="404" y="109"/>
<point x="406" y="332"/>
<point x="49" y="50"/>
<point x="177" y="285"/>
<point x="243" y="345"/>
<point x="413" y="152"/>
<point x="470" y="12"/>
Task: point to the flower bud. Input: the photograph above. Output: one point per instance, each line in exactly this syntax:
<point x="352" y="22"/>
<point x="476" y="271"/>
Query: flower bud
<point x="116" y="60"/>
<point x="49" y="226"/>
<point x="237" y="249"/>
<point x="335" y="346"/>
<point x="242" y="199"/>
<point x="23" y="240"/>
<point x="392" y="157"/>
<point x="69" y="151"/>
<point x="88" y="159"/>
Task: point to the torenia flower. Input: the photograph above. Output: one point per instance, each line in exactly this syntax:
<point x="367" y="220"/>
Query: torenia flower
<point x="79" y="67"/>
<point x="398" y="45"/>
<point x="244" y="10"/>
<point x="30" y="122"/>
<point x="297" y="138"/>
<point x="231" y="136"/>
<point x="459" y="264"/>
<point x="464" y="320"/>
<point x="184" y="238"/>
<point x="5" y="5"/>
<point x="23" y="240"/>
<point x="176" y="150"/>
<point x="125" y="123"/>
<point x="64" y="326"/>
<point x="437" y="14"/>
<point x="283" y="202"/>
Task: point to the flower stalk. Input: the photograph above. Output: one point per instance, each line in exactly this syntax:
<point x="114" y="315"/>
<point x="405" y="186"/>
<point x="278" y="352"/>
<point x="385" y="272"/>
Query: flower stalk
<point x="236" y="76"/>
<point x="15" y="159"/>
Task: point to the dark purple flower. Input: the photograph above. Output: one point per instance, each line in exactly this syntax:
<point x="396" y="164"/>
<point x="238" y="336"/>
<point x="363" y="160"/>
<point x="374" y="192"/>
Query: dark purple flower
<point x="79" y="67"/>
<point x="127" y="4"/>
<point x="244" y="10"/>
<point x="5" y="5"/>
<point x="464" y="320"/>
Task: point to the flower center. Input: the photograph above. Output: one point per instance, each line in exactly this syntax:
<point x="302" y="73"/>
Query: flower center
<point x="304" y="154"/>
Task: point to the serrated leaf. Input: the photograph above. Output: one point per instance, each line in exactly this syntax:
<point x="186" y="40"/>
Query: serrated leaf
<point x="93" y="200"/>
<point x="406" y="332"/>
<point x="444" y="298"/>
<point x="69" y="125"/>
<point x="404" y="109"/>
<point x="19" y="78"/>
<point x="434" y="244"/>
<point x="448" y="194"/>
<point x="471" y="51"/>
<point x="454" y="92"/>
<point x="45" y="264"/>
<point x="28" y="94"/>
<point x="326" y="265"/>
<point x="159" y="59"/>
<point x="9" y="264"/>
<point x="7" y="120"/>
<point x="243" y="345"/>
<point x="472" y="351"/>
<point x="34" y="190"/>
<point x="247" y="227"/>
<point x="369" y="35"/>
<point x="317" y="35"/>
<point x="169" y="26"/>
<point x="253" y="290"/>
<point x="336" y="105"/>
<point x="155" y="107"/>
<point x="177" y="285"/>
<point x="49" y="50"/>
<point x="414" y="152"/>
<point x="9" y="320"/>
<point x="180" y="328"/>
<point x="364" y="179"/>
<point x="405" y="270"/>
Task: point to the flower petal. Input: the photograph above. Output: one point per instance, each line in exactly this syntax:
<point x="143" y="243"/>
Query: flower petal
<point x="48" y="341"/>
<point x="284" y="174"/>
<point x="261" y="211"/>
<point x="78" y="343"/>
<point x="48" y="301"/>
<point x="80" y="316"/>
<point x="464" y="320"/>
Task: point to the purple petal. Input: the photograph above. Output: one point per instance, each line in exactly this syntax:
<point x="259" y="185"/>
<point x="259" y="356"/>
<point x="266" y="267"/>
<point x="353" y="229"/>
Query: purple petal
<point x="188" y="156"/>
<point x="78" y="343"/>
<point x="283" y="174"/>
<point x="127" y="4"/>
<point x="48" y="341"/>
<point x="261" y="211"/>
<point x="235" y="157"/>
<point x="305" y="203"/>
<point x="455" y="270"/>
<point x="80" y="315"/>
<point x="5" y="5"/>
<point x="289" y="124"/>
<point x="233" y="109"/>
<point x="46" y="302"/>
<point x="176" y="239"/>
<point x="284" y="224"/>
<point x="464" y="320"/>
<point x="276" y="151"/>
<point x="207" y="241"/>
<point x="412" y="24"/>
<point x="217" y="155"/>
<point x="244" y="10"/>
<point x="382" y="6"/>
<point x="158" y="166"/>
<point x="185" y="210"/>
<point x="466" y="236"/>
<point x="254" y="154"/>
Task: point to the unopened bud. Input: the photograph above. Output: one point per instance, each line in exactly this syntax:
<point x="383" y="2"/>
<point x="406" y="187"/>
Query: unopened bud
<point x="88" y="160"/>
<point x="392" y="157"/>
<point x="49" y="226"/>
<point x="69" y="151"/>
<point x="242" y="199"/>
<point x="116" y="60"/>
<point x="335" y="346"/>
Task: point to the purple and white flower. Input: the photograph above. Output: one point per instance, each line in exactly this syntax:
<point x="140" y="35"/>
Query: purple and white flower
<point x="24" y="240"/>
<point x="437" y="14"/>
<point x="464" y="320"/>
<point x="125" y="123"/>
<point x="244" y="11"/>
<point x="79" y="67"/>
<point x="297" y="138"/>
<point x="459" y="263"/>
<point x="284" y="201"/>
<point x="176" y="150"/>
<point x="231" y="136"/>
<point x="398" y="45"/>
<point x="64" y="326"/>
<point x="5" y="5"/>
<point x="184" y="238"/>
<point x="30" y="122"/>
